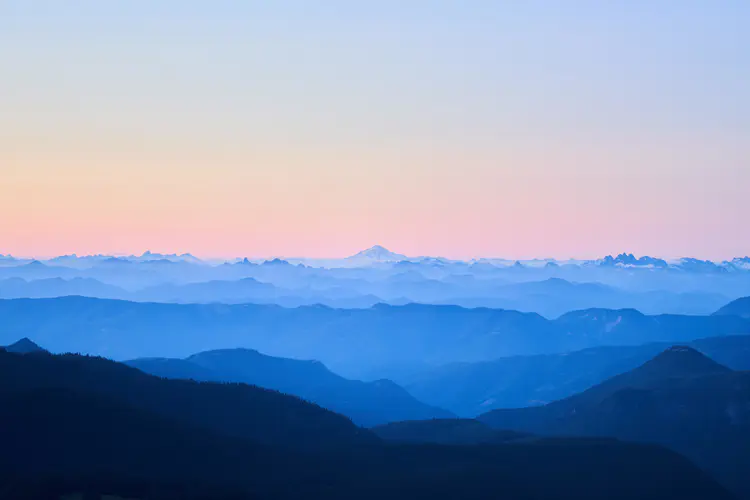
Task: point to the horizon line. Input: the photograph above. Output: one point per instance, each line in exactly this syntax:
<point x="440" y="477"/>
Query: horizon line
<point x="298" y="257"/>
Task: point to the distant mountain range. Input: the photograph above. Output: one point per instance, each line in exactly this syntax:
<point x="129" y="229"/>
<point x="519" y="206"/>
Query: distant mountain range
<point x="549" y="290"/>
<point x="379" y="342"/>
<point x="377" y="275"/>
<point x="366" y="403"/>
<point x="378" y="255"/>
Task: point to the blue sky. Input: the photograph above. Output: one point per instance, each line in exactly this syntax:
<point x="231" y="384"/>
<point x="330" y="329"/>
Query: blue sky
<point x="512" y="129"/>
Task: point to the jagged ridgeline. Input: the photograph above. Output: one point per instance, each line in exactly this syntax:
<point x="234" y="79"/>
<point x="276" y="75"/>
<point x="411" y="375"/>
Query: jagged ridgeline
<point x="377" y="275"/>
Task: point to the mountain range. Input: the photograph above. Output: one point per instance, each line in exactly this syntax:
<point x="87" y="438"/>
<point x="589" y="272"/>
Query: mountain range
<point x="469" y="389"/>
<point x="366" y="403"/>
<point x="378" y="254"/>
<point x="377" y="275"/>
<point x="343" y="378"/>
<point x="379" y="342"/>
<point x="680" y="399"/>
<point x="551" y="298"/>
<point x="87" y="426"/>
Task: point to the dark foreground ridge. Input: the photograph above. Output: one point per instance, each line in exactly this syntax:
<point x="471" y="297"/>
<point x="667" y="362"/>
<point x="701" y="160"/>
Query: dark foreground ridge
<point x="81" y="424"/>
<point x="680" y="399"/>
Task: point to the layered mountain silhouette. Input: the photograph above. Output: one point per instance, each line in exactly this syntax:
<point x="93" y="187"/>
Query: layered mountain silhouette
<point x="469" y="389"/>
<point x="237" y="410"/>
<point x="357" y="343"/>
<point x="366" y="403"/>
<point x="739" y="307"/>
<point x="76" y="424"/>
<point x="543" y="286"/>
<point x="680" y="399"/>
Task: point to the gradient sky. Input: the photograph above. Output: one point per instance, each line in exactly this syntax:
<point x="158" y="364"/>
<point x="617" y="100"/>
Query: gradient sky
<point x="457" y="128"/>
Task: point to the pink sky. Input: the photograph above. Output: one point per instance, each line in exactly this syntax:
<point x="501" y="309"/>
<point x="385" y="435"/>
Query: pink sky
<point x="494" y="131"/>
<point x="321" y="203"/>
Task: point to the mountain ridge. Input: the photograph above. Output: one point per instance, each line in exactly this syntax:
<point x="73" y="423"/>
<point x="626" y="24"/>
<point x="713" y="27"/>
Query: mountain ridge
<point x="679" y="399"/>
<point x="379" y="253"/>
<point x="351" y="342"/>
<point x="366" y="403"/>
<point x="739" y="307"/>
<point x="469" y="389"/>
<point x="24" y="346"/>
<point x="75" y="424"/>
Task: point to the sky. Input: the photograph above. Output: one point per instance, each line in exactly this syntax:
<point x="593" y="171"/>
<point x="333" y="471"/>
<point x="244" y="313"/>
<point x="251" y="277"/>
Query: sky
<point x="454" y="128"/>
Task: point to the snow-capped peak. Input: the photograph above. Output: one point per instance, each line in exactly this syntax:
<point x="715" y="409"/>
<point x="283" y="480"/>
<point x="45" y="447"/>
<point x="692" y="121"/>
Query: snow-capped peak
<point x="378" y="254"/>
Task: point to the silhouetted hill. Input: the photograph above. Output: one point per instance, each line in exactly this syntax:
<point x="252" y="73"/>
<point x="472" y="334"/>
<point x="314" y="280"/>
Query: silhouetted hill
<point x="739" y="307"/>
<point x="233" y="409"/>
<point x="469" y="389"/>
<point x="366" y="404"/>
<point x="445" y="431"/>
<point x="72" y="424"/>
<point x="351" y="342"/>
<point x="680" y="399"/>
<point x="24" y="346"/>
<point x="676" y="361"/>
<point x="54" y="436"/>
